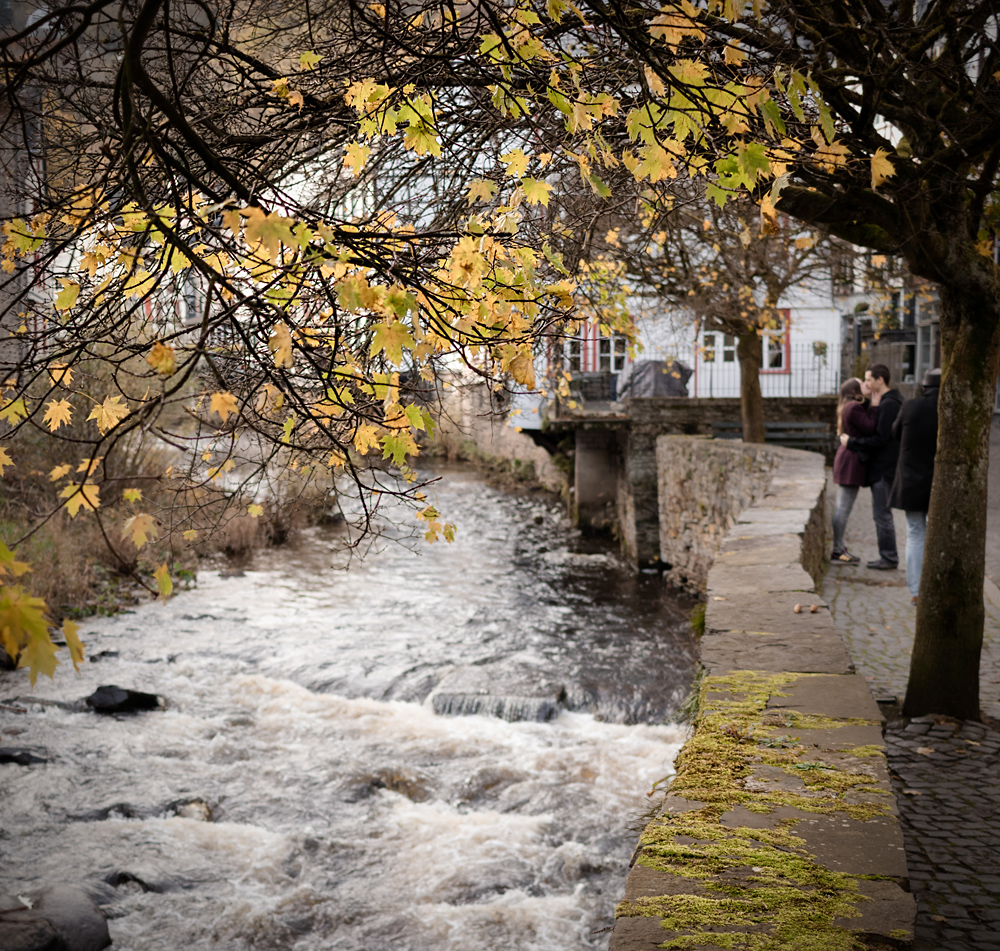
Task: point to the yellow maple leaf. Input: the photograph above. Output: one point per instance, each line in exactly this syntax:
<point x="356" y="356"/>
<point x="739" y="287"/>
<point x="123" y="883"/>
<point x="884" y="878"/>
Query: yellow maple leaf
<point x="89" y="465"/>
<point x="9" y="565"/>
<point x="535" y="191"/>
<point x="109" y="413"/>
<point x="139" y="284"/>
<point x="224" y="404"/>
<point x="164" y="584"/>
<point x="60" y="373"/>
<point x="391" y="338"/>
<point x="280" y="344"/>
<point x="85" y="495"/>
<point x="58" y="472"/>
<point x="831" y="156"/>
<point x="522" y="368"/>
<point x="355" y="157"/>
<point x="768" y="216"/>
<point x="295" y="99"/>
<point x="132" y="495"/>
<point x="882" y="168"/>
<point x="162" y="359"/>
<point x="481" y="190"/>
<point x="5" y="461"/>
<point x="57" y="413"/>
<point x="67" y="297"/>
<point x="309" y="60"/>
<point x="190" y="535"/>
<point x="71" y="635"/>
<point x="141" y="529"/>
<point x="268" y="231"/>
<point x="255" y="511"/>
<point x="516" y="162"/>
<point x="365" y="438"/>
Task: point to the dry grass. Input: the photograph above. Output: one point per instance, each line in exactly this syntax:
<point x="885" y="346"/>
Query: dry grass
<point x="80" y="569"/>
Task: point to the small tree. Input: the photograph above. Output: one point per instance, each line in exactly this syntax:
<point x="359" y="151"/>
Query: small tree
<point x="715" y="263"/>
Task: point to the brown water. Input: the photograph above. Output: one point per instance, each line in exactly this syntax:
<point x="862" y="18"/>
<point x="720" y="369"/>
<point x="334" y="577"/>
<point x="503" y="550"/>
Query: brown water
<point x="308" y="708"/>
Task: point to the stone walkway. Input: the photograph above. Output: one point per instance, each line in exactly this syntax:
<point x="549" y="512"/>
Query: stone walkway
<point x="946" y="775"/>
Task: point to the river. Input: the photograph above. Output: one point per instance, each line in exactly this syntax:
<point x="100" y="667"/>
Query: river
<point x="308" y="785"/>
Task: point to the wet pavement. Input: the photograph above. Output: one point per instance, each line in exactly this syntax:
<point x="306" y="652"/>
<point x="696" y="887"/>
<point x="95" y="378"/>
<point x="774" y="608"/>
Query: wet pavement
<point x="946" y="774"/>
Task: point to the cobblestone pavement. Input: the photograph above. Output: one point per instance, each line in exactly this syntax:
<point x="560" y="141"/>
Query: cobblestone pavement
<point x="946" y="775"/>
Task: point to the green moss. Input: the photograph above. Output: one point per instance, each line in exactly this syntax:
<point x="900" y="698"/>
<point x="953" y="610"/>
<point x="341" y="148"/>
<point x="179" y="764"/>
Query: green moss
<point x="698" y="620"/>
<point x="760" y="888"/>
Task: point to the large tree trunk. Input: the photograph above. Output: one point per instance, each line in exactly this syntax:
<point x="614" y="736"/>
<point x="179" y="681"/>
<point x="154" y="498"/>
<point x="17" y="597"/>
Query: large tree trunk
<point x="944" y="668"/>
<point x="750" y="352"/>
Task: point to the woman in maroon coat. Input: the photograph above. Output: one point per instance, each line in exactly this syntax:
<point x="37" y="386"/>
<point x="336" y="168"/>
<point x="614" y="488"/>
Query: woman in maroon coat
<point x="856" y="418"/>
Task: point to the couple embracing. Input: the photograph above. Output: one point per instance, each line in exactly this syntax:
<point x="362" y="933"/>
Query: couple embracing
<point x="867" y="455"/>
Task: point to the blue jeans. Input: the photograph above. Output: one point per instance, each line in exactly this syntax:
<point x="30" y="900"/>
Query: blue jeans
<point x="916" y="531"/>
<point x="846" y="494"/>
<point x="885" y="528"/>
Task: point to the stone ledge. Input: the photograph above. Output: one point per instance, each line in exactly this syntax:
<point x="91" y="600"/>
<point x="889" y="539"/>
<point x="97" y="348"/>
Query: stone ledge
<point x="781" y="810"/>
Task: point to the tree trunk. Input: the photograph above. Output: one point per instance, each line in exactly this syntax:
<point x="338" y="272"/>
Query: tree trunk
<point x="750" y="352"/>
<point x="944" y="668"/>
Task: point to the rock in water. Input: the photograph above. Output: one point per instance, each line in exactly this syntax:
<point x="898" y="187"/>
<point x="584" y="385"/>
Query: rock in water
<point x="112" y="699"/>
<point x="61" y="918"/>
<point x="75" y="917"/>
<point x="21" y="932"/>
<point x="11" y="754"/>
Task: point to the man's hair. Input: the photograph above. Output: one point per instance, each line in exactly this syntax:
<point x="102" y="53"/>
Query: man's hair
<point x="879" y="371"/>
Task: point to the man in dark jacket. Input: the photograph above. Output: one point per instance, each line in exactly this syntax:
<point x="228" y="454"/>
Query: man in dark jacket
<point x="882" y="452"/>
<point x="916" y="430"/>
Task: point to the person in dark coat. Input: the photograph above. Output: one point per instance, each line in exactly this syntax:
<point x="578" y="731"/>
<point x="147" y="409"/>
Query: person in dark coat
<point x="882" y="451"/>
<point x="855" y="417"/>
<point x="915" y="428"/>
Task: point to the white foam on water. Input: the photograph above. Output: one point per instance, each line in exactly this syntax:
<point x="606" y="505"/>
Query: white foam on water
<point x="342" y="821"/>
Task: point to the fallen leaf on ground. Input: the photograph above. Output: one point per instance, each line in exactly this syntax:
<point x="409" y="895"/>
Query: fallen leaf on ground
<point x="926" y="750"/>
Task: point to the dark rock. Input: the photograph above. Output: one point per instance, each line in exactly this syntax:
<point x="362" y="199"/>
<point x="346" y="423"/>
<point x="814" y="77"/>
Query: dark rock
<point x="12" y="754"/>
<point x="61" y="918"/>
<point x="22" y="932"/>
<point x="103" y="655"/>
<point x="112" y="699"/>
<point x="75" y="917"/>
<point x="120" y="879"/>
<point x="6" y="661"/>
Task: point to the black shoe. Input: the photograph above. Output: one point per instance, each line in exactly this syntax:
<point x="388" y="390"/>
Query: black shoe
<point x="844" y="558"/>
<point x="883" y="565"/>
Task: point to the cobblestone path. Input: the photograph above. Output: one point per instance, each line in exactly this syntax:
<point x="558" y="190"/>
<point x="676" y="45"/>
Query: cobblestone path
<point x="946" y="775"/>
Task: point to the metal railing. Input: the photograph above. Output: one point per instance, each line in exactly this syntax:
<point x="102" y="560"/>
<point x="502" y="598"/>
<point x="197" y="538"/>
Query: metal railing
<point x="808" y="370"/>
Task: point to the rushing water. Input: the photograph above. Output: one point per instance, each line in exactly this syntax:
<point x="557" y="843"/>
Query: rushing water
<point x="304" y="787"/>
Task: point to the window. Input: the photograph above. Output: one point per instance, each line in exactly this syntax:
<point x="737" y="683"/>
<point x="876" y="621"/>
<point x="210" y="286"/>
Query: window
<point x="708" y="349"/>
<point x="774" y="345"/>
<point x="574" y="348"/>
<point x="611" y="352"/>
<point x="728" y="349"/>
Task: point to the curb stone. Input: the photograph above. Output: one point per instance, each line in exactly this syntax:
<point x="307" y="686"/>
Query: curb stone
<point x="782" y="809"/>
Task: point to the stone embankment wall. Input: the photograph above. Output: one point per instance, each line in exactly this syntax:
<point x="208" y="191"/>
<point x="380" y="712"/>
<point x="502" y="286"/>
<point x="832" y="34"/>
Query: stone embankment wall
<point x="647" y="420"/>
<point x="780" y="820"/>
<point x="703" y="487"/>
<point x="470" y="426"/>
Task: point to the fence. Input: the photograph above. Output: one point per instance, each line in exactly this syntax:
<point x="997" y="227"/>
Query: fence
<point x="803" y="369"/>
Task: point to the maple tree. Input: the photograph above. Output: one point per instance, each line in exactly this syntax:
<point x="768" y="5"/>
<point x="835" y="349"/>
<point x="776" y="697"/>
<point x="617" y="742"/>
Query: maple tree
<point x="334" y="199"/>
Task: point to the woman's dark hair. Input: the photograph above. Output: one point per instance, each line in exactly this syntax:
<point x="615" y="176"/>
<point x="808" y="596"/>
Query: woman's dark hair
<point x="850" y="391"/>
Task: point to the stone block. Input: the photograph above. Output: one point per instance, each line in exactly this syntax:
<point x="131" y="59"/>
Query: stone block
<point x="759" y="550"/>
<point x="637" y="934"/>
<point x="888" y="909"/>
<point x="730" y="580"/>
<point x="645" y="882"/>
<point x="835" y="841"/>
<point x="842" y="697"/>
<point x="753" y="650"/>
<point x="770" y="612"/>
